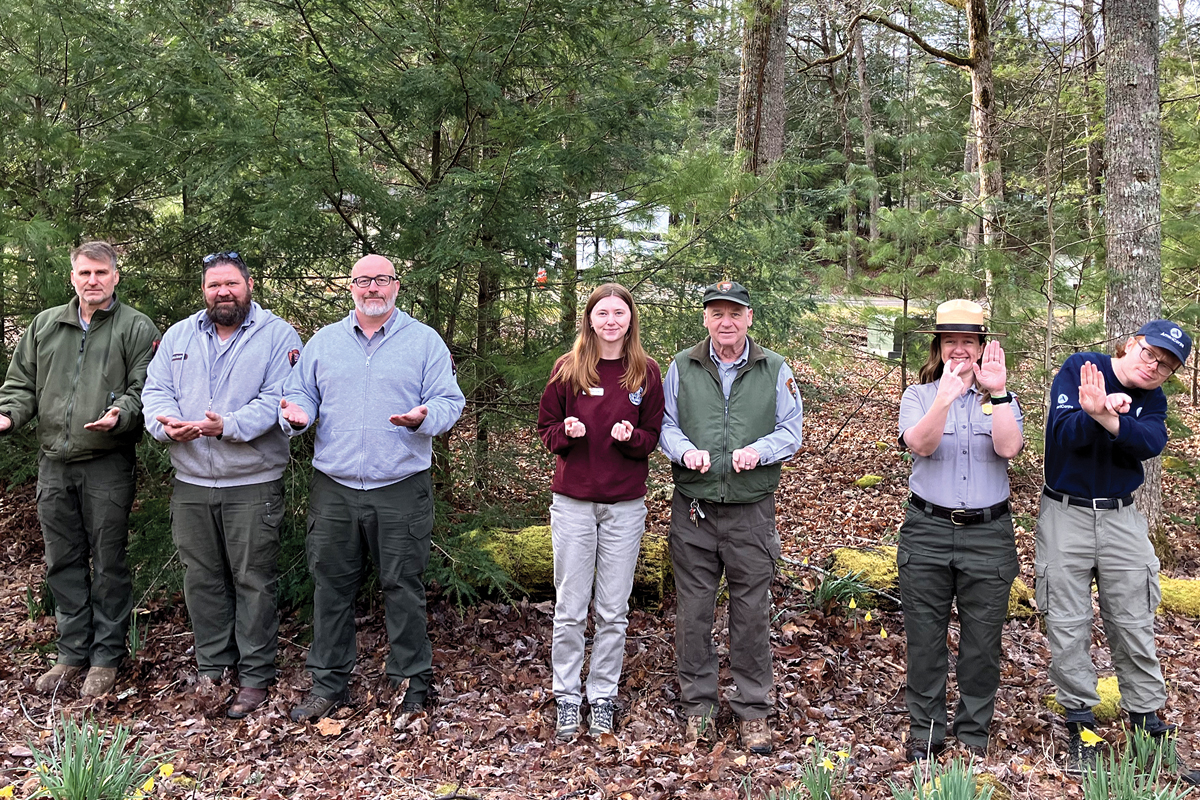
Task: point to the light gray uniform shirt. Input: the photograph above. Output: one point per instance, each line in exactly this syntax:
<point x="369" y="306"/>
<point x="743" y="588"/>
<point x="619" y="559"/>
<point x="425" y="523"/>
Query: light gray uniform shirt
<point x="964" y="472"/>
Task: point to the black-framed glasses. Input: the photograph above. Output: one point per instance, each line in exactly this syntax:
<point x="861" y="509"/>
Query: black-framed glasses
<point x="1159" y="362"/>
<point x="365" y="281"/>
<point x="230" y="256"/>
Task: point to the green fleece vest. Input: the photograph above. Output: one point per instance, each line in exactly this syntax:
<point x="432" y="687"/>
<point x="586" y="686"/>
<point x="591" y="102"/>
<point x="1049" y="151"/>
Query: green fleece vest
<point x="720" y="428"/>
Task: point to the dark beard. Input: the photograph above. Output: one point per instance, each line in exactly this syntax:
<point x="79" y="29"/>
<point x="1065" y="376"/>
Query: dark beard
<point x="229" y="315"/>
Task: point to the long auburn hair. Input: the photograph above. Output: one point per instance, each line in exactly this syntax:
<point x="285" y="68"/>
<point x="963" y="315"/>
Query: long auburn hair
<point x="933" y="367"/>
<point x="577" y="367"/>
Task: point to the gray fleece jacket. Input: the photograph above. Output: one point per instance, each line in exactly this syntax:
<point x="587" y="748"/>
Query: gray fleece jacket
<point x="242" y="382"/>
<point x="351" y="394"/>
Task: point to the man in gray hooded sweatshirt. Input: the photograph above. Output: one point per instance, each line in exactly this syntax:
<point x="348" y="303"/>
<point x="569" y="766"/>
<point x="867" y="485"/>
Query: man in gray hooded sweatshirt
<point x="212" y="393"/>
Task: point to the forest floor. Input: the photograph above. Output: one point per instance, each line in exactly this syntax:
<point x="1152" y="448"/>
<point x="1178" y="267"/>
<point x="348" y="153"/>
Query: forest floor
<point x="839" y="679"/>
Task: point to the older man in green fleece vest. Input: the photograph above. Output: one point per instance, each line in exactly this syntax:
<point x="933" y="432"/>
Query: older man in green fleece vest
<point x="733" y="416"/>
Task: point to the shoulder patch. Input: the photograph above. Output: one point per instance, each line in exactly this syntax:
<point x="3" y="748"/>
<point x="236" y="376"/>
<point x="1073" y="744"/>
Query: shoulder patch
<point x="293" y="356"/>
<point x="791" y="386"/>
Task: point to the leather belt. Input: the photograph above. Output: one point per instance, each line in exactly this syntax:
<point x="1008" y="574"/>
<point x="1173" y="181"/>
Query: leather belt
<point x="1096" y="504"/>
<point x="960" y="516"/>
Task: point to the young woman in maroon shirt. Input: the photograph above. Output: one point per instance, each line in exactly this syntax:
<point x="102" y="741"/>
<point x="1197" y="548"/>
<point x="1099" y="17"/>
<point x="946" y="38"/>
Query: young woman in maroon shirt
<point x="600" y="415"/>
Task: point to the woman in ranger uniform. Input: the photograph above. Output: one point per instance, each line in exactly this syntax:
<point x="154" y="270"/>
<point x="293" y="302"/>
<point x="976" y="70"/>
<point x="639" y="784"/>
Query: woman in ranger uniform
<point x="956" y="543"/>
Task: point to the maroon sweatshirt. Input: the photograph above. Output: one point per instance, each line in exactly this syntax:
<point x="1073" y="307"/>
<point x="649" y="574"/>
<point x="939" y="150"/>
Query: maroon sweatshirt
<point x="596" y="467"/>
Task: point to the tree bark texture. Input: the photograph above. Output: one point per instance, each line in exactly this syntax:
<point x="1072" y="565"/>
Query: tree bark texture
<point x="761" y="106"/>
<point x="983" y="103"/>
<point x="1132" y="188"/>
<point x="868" y="133"/>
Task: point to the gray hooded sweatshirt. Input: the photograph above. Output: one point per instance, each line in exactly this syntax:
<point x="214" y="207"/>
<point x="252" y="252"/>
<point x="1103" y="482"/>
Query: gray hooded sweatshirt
<point x="242" y="381"/>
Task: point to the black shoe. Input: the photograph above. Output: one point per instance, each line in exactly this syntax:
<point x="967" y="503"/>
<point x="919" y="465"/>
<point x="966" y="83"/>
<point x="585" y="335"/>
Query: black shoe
<point x="313" y="707"/>
<point x="1191" y="777"/>
<point x="1083" y="749"/>
<point x="921" y="749"/>
<point x="977" y="751"/>
<point x="1151" y="725"/>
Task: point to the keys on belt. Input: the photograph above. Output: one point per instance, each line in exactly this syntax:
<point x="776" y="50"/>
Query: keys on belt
<point x="695" y="513"/>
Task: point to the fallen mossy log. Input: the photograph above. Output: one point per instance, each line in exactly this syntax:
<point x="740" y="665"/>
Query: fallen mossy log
<point x="876" y="567"/>
<point x="527" y="556"/>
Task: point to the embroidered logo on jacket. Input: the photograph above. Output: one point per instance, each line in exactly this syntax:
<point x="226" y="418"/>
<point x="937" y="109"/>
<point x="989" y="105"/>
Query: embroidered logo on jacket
<point x="636" y="397"/>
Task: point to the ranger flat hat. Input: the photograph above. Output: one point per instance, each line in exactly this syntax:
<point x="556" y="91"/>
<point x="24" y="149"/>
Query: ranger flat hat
<point x="960" y="316"/>
<point x="727" y="290"/>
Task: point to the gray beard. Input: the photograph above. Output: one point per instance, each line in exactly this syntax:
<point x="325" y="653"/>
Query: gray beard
<point x="388" y="305"/>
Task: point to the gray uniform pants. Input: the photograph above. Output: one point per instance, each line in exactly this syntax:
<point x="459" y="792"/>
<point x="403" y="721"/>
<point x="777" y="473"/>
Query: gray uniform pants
<point x="84" y="507"/>
<point x="942" y="564"/>
<point x="740" y="540"/>
<point x="394" y="524"/>
<point x="228" y="541"/>
<point x="1074" y="546"/>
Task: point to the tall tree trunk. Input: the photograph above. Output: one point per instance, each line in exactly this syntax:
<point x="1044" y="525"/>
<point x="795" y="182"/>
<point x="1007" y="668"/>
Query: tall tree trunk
<point x="1133" y="185"/>
<point x="973" y="235"/>
<point x="761" y="108"/>
<point x="868" y="133"/>
<point x="851" y="216"/>
<point x="983" y="106"/>
<point x="1095" y="148"/>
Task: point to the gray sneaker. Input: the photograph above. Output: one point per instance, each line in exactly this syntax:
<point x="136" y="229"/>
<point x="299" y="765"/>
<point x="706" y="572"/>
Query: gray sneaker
<point x="603" y="717"/>
<point x="568" y="720"/>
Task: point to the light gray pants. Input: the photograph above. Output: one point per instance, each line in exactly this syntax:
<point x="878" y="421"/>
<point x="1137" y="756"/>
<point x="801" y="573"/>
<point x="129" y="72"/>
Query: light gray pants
<point x="595" y="544"/>
<point x="1075" y="545"/>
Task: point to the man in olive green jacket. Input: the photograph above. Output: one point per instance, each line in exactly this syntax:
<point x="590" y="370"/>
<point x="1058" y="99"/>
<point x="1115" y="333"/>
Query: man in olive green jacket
<point x="79" y="369"/>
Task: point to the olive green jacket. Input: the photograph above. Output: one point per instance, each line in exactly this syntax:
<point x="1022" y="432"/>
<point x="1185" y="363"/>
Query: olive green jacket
<point x="68" y="377"/>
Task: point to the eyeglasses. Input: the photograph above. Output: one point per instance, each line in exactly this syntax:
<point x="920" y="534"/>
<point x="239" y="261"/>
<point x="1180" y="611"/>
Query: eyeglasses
<point x="1159" y="362"/>
<point x="382" y="281"/>
<point x="230" y="256"/>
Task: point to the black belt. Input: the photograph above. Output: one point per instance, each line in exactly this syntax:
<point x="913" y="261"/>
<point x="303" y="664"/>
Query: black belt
<point x="960" y="516"/>
<point x="1098" y="504"/>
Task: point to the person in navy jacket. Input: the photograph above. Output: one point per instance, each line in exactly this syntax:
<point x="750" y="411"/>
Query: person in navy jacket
<point x="1107" y="416"/>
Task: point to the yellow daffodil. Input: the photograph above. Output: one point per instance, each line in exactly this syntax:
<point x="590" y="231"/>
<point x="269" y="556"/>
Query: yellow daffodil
<point x="867" y="618"/>
<point x="7" y="791"/>
<point x="1089" y="737"/>
<point x="148" y="786"/>
<point x="166" y="770"/>
<point x="853" y="603"/>
<point x="842" y="754"/>
<point x="808" y="742"/>
<point x="883" y="633"/>
<point x="829" y="765"/>
<point x="805" y="561"/>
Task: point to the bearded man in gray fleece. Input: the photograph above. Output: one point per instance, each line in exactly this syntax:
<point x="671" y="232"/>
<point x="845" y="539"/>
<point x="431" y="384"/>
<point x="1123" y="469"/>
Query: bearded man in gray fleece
<point x="212" y="393"/>
<point x="380" y="386"/>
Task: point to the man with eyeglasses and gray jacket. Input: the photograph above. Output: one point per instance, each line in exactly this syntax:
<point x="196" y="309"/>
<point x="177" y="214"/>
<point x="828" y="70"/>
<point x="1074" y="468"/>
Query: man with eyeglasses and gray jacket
<point x="212" y="394"/>
<point x="379" y="386"/>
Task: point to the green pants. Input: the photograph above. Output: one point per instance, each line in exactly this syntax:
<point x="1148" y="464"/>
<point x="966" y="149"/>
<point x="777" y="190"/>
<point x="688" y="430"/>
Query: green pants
<point x="1074" y="547"/>
<point x="739" y="540"/>
<point x="228" y="541"/>
<point x="972" y="566"/>
<point x="84" y="507"/>
<point x="394" y="524"/>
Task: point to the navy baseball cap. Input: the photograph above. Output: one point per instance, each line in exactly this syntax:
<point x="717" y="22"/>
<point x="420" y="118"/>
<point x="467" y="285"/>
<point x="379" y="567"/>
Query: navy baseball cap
<point x="727" y="290"/>
<point x="1164" y="334"/>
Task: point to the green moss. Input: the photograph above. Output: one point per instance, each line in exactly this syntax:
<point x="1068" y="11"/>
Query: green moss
<point x="876" y="567"/>
<point x="1020" y="599"/>
<point x="1180" y="596"/>
<point x="867" y="481"/>
<point x="1110" y="700"/>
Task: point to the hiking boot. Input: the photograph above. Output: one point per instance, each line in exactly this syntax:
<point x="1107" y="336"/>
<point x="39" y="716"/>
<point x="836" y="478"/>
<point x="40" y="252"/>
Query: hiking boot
<point x="1151" y="725"/>
<point x="603" y="717"/>
<point x="246" y="701"/>
<point x="568" y="721"/>
<point x="99" y="681"/>
<point x="700" y="727"/>
<point x="1083" y="748"/>
<point x="923" y="749"/>
<point x="756" y="735"/>
<point x="409" y="711"/>
<point x="978" y="752"/>
<point x="48" y="681"/>
<point x="313" y="708"/>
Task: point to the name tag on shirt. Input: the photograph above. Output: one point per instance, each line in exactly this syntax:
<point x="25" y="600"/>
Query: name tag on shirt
<point x="596" y="391"/>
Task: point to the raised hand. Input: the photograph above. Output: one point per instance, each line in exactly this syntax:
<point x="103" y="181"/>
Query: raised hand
<point x="1093" y="396"/>
<point x="952" y="386"/>
<point x="991" y="374"/>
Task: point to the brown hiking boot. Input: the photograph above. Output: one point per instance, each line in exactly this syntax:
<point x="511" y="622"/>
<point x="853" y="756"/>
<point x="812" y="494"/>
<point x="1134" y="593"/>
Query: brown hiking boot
<point x="313" y="708"/>
<point x="700" y="727"/>
<point x="246" y="701"/>
<point x="99" y="680"/>
<point x="756" y="736"/>
<point x="56" y="675"/>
